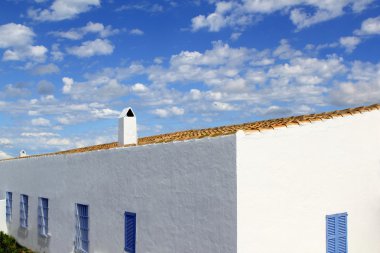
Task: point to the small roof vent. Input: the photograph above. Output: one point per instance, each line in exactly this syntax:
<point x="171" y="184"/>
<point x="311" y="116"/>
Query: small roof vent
<point x="22" y="153"/>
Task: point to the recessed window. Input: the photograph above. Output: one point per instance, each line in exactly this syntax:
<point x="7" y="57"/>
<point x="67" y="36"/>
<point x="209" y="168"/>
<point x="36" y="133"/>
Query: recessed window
<point x="43" y="217"/>
<point x="81" y="228"/>
<point x="130" y="232"/>
<point x="24" y="210"/>
<point x="336" y="233"/>
<point x="8" y="206"/>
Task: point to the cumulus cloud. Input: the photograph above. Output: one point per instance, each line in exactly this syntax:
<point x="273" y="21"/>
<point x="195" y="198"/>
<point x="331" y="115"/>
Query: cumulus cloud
<point x="168" y="112"/>
<point x="17" y="90"/>
<point x="38" y="134"/>
<point x="369" y="26"/>
<point x="109" y="87"/>
<point x="4" y="155"/>
<point x="239" y="14"/>
<point x="63" y="9"/>
<point x="15" y="35"/>
<point x="18" y="41"/>
<point x="349" y="43"/>
<point x="221" y="106"/>
<point x="92" y="48"/>
<point x="142" y="6"/>
<point x="40" y="122"/>
<point x="5" y="141"/>
<point x="67" y="85"/>
<point x="139" y="87"/>
<point x="94" y="28"/>
<point x="136" y="32"/>
<point x="361" y="87"/>
<point x="56" y="53"/>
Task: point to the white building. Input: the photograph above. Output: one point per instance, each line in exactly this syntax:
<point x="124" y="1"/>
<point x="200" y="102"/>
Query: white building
<point x="306" y="184"/>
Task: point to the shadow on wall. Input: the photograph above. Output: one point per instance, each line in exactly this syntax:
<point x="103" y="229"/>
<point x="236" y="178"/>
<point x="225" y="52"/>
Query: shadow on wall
<point x="22" y="232"/>
<point x="43" y="242"/>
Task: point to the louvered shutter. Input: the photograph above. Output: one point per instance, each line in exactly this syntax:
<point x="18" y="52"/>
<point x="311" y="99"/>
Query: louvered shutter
<point x="336" y="233"/>
<point x="130" y="232"/>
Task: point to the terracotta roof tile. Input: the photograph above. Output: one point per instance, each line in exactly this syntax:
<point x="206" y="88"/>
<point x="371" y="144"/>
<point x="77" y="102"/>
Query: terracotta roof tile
<point x="226" y="130"/>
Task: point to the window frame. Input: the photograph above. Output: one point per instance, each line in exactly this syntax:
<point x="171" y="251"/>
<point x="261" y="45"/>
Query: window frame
<point x="336" y="236"/>
<point x="43" y="217"/>
<point x="130" y="249"/>
<point x="24" y="210"/>
<point x="82" y="220"/>
<point x="8" y="206"/>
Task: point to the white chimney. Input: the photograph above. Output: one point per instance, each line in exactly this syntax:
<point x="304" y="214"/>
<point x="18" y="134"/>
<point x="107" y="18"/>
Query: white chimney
<point x="127" y="127"/>
<point x="22" y="153"/>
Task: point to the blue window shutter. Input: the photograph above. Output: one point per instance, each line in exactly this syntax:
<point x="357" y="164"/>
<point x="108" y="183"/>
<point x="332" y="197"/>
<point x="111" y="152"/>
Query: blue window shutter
<point x="8" y="206"/>
<point x="130" y="232"/>
<point x="24" y="210"/>
<point x="81" y="243"/>
<point x="336" y="233"/>
<point x="43" y="217"/>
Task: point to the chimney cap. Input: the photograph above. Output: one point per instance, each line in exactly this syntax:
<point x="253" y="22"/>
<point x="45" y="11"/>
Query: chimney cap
<point x="22" y="153"/>
<point x="127" y="112"/>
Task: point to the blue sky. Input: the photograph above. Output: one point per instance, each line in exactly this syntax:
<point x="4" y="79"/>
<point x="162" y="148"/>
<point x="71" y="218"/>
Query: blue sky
<point x="68" y="67"/>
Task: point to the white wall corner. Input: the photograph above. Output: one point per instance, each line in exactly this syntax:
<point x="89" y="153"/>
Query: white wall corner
<point x="3" y="222"/>
<point x="127" y="127"/>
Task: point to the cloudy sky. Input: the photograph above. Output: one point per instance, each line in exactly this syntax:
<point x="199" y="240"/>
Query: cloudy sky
<point x="68" y="67"/>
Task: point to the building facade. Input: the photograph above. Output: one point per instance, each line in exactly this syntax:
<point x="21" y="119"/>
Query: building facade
<point x="301" y="184"/>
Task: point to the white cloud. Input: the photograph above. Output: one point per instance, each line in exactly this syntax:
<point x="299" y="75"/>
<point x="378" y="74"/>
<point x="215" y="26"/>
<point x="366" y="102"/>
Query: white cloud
<point x="4" y="155"/>
<point x="15" y="90"/>
<point x="349" y="43"/>
<point x="105" y="113"/>
<point x="38" y="134"/>
<point x="58" y="142"/>
<point x="15" y="35"/>
<point x="226" y="14"/>
<point x="369" y="26"/>
<point x="239" y="14"/>
<point x="142" y="6"/>
<point x="220" y="106"/>
<point x="139" y="87"/>
<point x="5" y="141"/>
<point x="40" y="122"/>
<point x="17" y="40"/>
<point x="136" y="32"/>
<point x="67" y="85"/>
<point x="63" y="9"/>
<point x="362" y="86"/>
<point x="91" y="48"/>
<point x="168" y="112"/>
<point x="37" y="53"/>
<point x="90" y="27"/>
<point x="56" y="53"/>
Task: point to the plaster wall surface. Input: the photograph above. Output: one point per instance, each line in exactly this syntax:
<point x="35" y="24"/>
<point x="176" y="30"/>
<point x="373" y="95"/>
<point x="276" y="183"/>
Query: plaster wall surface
<point x="289" y="179"/>
<point x="184" y="195"/>
<point x="3" y="224"/>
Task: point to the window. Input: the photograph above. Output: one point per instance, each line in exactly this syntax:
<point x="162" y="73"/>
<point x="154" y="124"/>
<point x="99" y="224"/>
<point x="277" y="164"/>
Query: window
<point x="24" y="211"/>
<point x="81" y="228"/>
<point x="8" y="206"/>
<point x="43" y="215"/>
<point x="336" y="233"/>
<point x="130" y="232"/>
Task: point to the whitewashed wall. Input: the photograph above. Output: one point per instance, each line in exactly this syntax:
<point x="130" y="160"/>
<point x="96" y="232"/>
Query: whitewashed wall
<point x="184" y="194"/>
<point x="3" y="224"/>
<point x="289" y="179"/>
